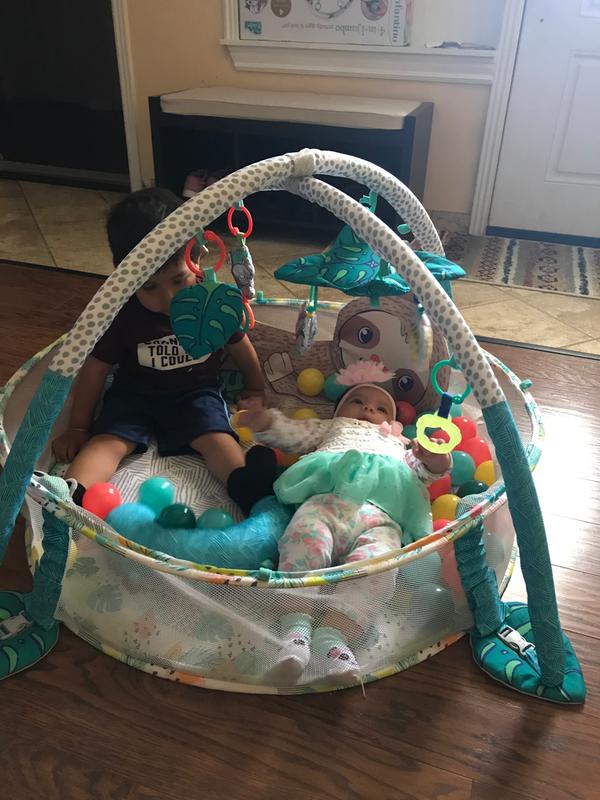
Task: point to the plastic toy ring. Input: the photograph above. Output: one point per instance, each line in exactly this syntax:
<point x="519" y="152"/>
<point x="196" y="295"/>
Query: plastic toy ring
<point x="236" y="231"/>
<point x="207" y="236"/>
<point x="248" y="320"/>
<point x="439" y="423"/>
<point x="449" y="362"/>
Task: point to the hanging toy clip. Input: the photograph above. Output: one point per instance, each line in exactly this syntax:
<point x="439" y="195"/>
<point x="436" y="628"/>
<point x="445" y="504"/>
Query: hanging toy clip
<point x="440" y="421"/>
<point x="201" y="238"/>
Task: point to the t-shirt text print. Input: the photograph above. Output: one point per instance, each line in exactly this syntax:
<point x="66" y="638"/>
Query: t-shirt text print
<point x="165" y="353"/>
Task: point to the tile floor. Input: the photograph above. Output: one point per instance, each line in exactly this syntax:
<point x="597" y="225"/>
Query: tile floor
<point x="63" y="227"/>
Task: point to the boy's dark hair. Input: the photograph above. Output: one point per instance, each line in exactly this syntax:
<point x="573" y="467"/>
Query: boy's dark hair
<point x="132" y="218"/>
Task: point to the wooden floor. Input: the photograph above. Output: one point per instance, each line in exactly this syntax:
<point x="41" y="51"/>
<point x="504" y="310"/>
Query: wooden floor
<point x="80" y="725"/>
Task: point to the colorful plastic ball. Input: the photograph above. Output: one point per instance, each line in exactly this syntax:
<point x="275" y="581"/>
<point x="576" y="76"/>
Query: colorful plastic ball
<point x="471" y="487"/>
<point x="130" y="517"/>
<point x="463" y="468"/>
<point x="444" y="506"/>
<point x="156" y="493"/>
<point x="444" y="436"/>
<point x="332" y="389"/>
<point x="486" y="473"/>
<point x="101" y="498"/>
<point x="407" y="413"/>
<point x="494" y="550"/>
<point x="438" y="524"/>
<point x="477" y="448"/>
<point x="410" y="431"/>
<point x="455" y="410"/>
<point x="305" y="413"/>
<point x="450" y="574"/>
<point x="467" y="427"/>
<point x="439" y="487"/>
<point x="245" y="435"/>
<point x="431" y="603"/>
<point x="177" y="515"/>
<point x="287" y="459"/>
<point x="311" y="381"/>
<point x="215" y="519"/>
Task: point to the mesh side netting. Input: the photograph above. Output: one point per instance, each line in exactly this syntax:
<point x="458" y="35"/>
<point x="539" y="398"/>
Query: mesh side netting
<point x="228" y="636"/>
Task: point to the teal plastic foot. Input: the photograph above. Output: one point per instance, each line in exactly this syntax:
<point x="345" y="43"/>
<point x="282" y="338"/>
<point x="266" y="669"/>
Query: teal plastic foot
<point x="22" y="642"/>
<point x="509" y="656"/>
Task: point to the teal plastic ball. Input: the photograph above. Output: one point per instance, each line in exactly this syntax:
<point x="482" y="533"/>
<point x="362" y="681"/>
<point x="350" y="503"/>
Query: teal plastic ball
<point x="463" y="468"/>
<point x="332" y="389"/>
<point x="129" y="517"/>
<point x="410" y="431"/>
<point x="471" y="487"/>
<point x="156" y="493"/>
<point x="215" y="519"/>
<point x="422" y="571"/>
<point x="431" y="603"/>
<point x="177" y="515"/>
<point x="455" y="410"/>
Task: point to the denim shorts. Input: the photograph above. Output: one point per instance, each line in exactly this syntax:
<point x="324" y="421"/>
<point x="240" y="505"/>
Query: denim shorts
<point x="173" y="418"/>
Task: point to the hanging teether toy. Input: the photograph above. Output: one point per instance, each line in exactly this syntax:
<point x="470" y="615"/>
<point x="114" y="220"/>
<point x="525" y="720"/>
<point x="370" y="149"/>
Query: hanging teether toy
<point x="240" y="258"/>
<point x="421" y="335"/>
<point x="440" y="420"/>
<point x="205" y="316"/>
<point x="306" y="324"/>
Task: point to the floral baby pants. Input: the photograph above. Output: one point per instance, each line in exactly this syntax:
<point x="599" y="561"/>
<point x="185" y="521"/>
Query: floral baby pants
<point x="327" y="530"/>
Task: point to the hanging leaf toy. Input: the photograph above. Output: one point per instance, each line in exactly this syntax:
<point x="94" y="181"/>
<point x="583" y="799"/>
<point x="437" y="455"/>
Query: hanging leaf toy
<point x="205" y="316"/>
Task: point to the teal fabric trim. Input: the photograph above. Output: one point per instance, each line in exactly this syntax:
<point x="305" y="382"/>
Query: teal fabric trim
<point x="26" y="449"/>
<point x="531" y="537"/>
<point x="42" y="602"/>
<point x="509" y="656"/>
<point x="478" y="580"/>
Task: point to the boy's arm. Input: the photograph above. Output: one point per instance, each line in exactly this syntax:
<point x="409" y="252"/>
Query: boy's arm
<point x="86" y="392"/>
<point x="85" y="395"/>
<point x="246" y="360"/>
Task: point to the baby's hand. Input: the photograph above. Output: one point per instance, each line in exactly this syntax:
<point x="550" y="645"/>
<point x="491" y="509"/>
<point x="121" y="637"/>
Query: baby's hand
<point x="435" y="462"/>
<point x="68" y="444"/>
<point x="254" y="415"/>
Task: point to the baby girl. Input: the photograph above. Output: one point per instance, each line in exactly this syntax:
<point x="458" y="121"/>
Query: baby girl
<point x="359" y="492"/>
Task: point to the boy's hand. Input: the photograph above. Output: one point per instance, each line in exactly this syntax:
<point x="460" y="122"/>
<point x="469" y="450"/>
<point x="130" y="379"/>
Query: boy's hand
<point x="68" y="444"/>
<point x="435" y="462"/>
<point x="254" y="415"/>
<point x="250" y="395"/>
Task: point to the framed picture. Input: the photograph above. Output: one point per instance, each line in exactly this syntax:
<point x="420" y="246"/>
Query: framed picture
<point x="356" y="22"/>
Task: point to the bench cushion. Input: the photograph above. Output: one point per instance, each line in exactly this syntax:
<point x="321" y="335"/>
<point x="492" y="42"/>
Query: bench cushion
<point x="315" y="109"/>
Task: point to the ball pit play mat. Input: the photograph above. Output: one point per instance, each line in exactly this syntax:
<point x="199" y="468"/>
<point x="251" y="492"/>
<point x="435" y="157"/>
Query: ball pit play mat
<point x="202" y="606"/>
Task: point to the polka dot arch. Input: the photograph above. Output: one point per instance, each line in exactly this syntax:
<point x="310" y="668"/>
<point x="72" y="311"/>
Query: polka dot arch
<point x="198" y="212"/>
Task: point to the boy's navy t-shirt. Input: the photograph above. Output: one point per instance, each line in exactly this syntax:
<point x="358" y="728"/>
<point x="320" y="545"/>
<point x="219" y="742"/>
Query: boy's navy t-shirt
<point x="144" y="346"/>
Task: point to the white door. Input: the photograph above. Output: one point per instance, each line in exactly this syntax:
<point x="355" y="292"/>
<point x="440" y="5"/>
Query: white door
<point x="548" y="177"/>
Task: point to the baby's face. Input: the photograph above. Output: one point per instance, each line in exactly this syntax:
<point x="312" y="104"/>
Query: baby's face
<point x="158" y="291"/>
<point x="366" y="403"/>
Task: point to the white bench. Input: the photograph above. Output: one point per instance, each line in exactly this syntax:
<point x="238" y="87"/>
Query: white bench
<point x="224" y="128"/>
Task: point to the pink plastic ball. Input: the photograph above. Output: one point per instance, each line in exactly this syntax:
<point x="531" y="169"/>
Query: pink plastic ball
<point x="101" y="498"/>
<point x="467" y="427"/>
<point x="477" y="448"/>
<point x="407" y="413"/>
<point x="438" y="524"/>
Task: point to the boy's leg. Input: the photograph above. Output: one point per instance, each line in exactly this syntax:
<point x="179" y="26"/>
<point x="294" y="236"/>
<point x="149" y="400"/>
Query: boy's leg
<point x="248" y="476"/>
<point x="221" y="452"/>
<point x="98" y="460"/>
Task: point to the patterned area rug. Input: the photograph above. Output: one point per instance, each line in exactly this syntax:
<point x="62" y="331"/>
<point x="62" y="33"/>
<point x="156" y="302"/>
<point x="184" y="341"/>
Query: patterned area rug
<point x="535" y="265"/>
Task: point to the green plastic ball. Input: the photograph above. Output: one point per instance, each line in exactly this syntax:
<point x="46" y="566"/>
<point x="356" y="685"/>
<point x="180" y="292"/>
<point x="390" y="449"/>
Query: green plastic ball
<point x="177" y="515"/>
<point x="215" y="519"/>
<point x="471" y="487"/>
<point x="333" y="390"/>
<point x="410" y="431"/>
<point x="463" y="468"/>
<point x="156" y="493"/>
